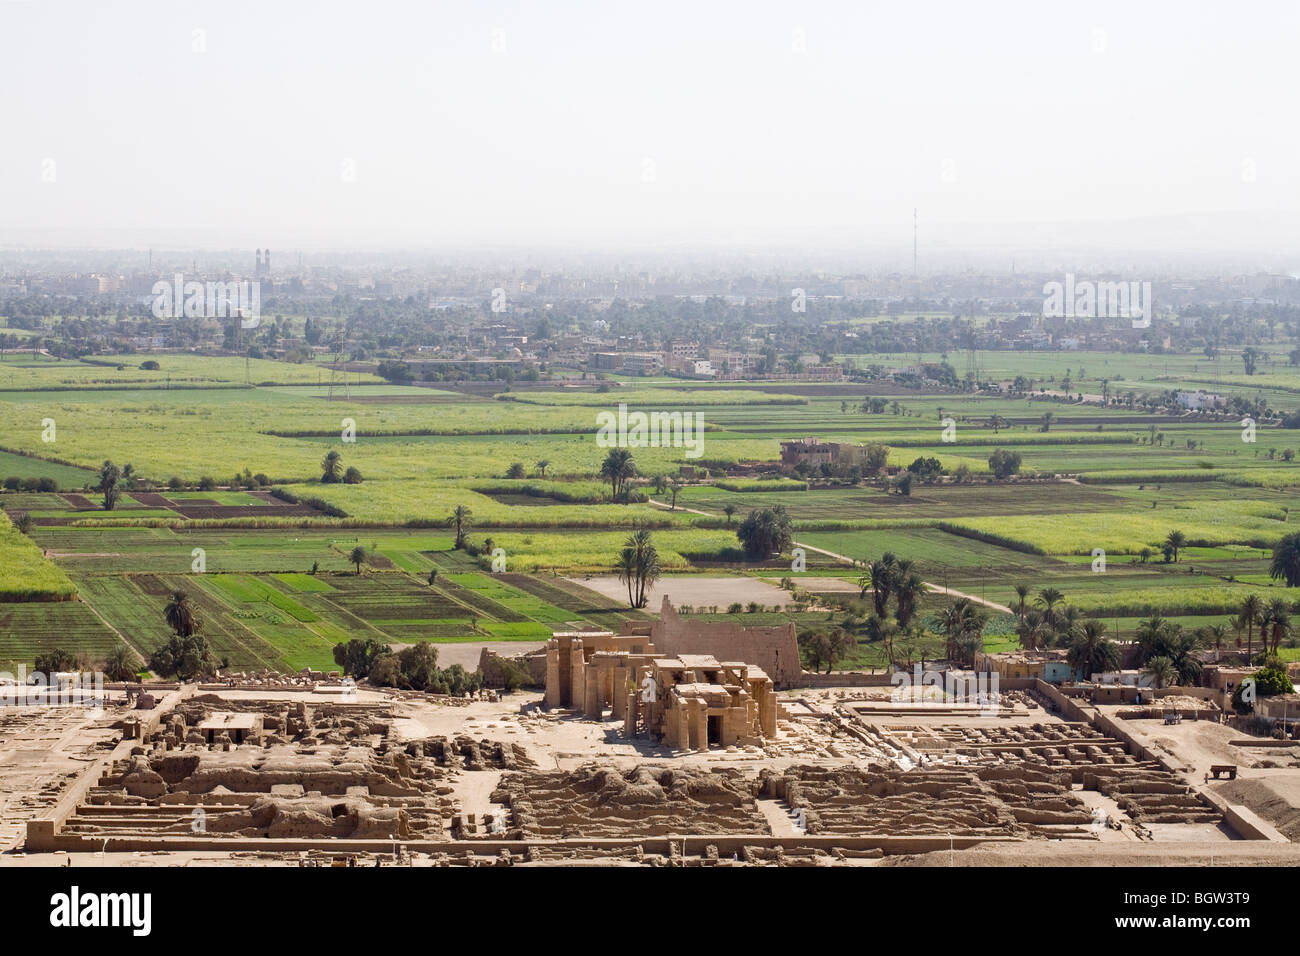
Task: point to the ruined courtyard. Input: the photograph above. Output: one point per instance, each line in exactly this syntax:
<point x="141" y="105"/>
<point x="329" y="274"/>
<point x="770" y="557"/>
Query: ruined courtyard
<point x="315" y="774"/>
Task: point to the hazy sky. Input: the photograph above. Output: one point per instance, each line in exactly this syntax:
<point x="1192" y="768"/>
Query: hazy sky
<point x="440" y="123"/>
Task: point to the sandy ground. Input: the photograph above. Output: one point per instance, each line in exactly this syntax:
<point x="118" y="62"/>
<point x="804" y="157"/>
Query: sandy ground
<point x="1273" y="794"/>
<point x="39" y="748"/>
<point x="1194" y="745"/>
<point x="41" y="751"/>
<point x="1078" y="853"/>
<point x="826" y="585"/>
<point x="693" y="590"/>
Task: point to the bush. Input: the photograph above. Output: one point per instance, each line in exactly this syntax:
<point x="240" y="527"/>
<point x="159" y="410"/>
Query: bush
<point x="514" y="675"/>
<point x="358" y="657"/>
<point x="1270" y="681"/>
<point x="183" y="657"/>
<point x="56" y="660"/>
<point x="1004" y="463"/>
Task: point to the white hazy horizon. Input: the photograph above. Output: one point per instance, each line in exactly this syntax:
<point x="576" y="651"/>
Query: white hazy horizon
<point x="1103" y="132"/>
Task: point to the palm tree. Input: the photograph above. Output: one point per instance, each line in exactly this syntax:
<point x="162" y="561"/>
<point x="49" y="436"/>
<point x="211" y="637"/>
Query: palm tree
<point x="638" y="567"/>
<point x="1286" y="560"/>
<point x="617" y="468"/>
<point x="460" y="518"/>
<point x="882" y="581"/>
<point x="1022" y="599"/>
<point x="1033" y="630"/>
<point x="907" y="588"/>
<point x="358" y="557"/>
<point x="1151" y="632"/>
<point x="180" y="615"/>
<point x="1275" y="624"/>
<point x="1091" y="652"/>
<point x="626" y="571"/>
<point x="119" y="664"/>
<point x="1068" y="624"/>
<point x="887" y="642"/>
<point x="676" y="487"/>
<point x="331" y="466"/>
<point x="1214" y="635"/>
<point x="1174" y="542"/>
<point x="1162" y="670"/>
<point x="1048" y="598"/>
<point x="542" y="466"/>
<point x="1251" y="606"/>
<point x="963" y="624"/>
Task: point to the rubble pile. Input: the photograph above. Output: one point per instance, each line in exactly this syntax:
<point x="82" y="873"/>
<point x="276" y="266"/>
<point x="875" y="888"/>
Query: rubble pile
<point x="595" y="801"/>
<point x="946" y="800"/>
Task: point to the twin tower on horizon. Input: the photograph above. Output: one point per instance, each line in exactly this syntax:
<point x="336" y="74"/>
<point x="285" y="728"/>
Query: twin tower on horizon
<point x="263" y="265"/>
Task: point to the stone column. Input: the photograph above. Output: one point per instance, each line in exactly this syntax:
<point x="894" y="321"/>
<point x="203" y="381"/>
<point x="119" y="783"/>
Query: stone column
<point x="552" y="698"/>
<point x="577" y="686"/>
<point x="699" y="725"/>
<point x="592" y="705"/>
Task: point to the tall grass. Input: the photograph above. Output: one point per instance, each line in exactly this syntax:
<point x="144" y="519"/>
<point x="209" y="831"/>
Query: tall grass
<point x="25" y="573"/>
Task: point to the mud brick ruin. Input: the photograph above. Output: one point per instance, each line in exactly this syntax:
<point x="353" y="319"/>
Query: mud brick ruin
<point x="598" y="801"/>
<point x="686" y="753"/>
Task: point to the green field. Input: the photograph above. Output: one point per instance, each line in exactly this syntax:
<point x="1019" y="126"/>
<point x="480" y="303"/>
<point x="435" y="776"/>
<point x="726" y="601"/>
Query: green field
<point x="276" y="588"/>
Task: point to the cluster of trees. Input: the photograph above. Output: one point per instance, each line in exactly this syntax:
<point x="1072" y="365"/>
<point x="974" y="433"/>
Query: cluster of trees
<point x="415" y="668"/>
<point x="186" y="654"/>
<point x="1049" y="622"/>
<point x="826" y="648"/>
<point x="517" y="470"/>
<point x="618" y="469"/>
<point x="14" y="483"/>
<point x="1166" y="651"/>
<point x="765" y="532"/>
<point x="1272" y="617"/>
<point x="119" y="664"/>
<point x="892" y="577"/>
<point x="332" y="471"/>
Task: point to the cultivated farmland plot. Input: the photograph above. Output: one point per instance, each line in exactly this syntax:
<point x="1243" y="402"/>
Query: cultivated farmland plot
<point x="276" y="588"/>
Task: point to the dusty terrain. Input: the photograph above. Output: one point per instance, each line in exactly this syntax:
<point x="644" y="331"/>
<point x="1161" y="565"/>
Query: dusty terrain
<point x="694" y="590"/>
<point x="851" y="778"/>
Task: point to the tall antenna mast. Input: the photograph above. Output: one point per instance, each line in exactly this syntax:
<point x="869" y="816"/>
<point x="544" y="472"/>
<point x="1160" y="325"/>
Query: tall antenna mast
<point x="913" y="242"/>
